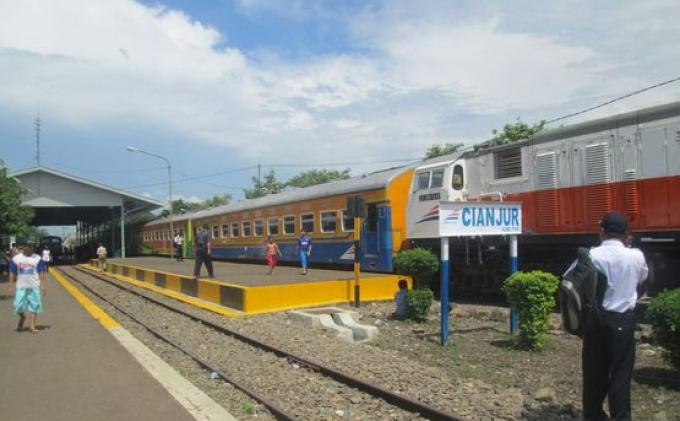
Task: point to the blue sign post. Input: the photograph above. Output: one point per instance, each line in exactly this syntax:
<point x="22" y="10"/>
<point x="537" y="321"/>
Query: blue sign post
<point x="514" y="267"/>
<point x="444" y="279"/>
<point x="471" y="219"/>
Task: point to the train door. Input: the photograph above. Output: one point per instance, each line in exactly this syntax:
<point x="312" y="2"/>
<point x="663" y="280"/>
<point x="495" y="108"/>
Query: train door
<point x="377" y="238"/>
<point x="370" y="231"/>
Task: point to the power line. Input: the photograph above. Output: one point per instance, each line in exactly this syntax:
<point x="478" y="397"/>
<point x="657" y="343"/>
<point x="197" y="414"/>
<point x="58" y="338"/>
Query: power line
<point x="197" y="178"/>
<point x="628" y="95"/>
<point x="339" y="164"/>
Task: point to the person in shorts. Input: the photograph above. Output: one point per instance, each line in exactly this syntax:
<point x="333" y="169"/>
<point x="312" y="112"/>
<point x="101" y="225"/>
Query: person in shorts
<point x="101" y="257"/>
<point x="304" y="250"/>
<point x="47" y="257"/>
<point x="28" y="272"/>
<point x="273" y="252"/>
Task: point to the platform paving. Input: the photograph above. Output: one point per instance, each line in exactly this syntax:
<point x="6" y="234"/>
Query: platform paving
<point x="245" y="274"/>
<point x="73" y="369"/>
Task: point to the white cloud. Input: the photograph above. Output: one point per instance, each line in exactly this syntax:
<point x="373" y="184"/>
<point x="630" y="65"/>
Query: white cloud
<point x="416" y="73"/>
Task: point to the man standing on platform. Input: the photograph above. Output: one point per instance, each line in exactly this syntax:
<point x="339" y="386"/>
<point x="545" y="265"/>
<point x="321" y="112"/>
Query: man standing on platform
<point x="203" y="252"/>
<point x="179" y="249"/>
<point x="609" y="352"/>
<point x="101" y="257"/>
<point x="28" y="270"/>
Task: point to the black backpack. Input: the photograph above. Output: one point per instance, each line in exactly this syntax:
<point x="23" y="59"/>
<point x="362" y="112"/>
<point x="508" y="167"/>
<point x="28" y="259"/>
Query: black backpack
<point x="581" y="293"/>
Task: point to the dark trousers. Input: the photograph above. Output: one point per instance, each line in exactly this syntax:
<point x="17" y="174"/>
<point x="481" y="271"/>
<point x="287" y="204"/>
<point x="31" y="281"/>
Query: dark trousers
<point x="202" y="256"/>
<point x="608" y="360"/>
<point x="179" y="252"/>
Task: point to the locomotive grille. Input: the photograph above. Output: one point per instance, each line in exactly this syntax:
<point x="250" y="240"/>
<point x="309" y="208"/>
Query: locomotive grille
<point x="546" y="197"/>
<point x="631" y="192"/>
<point x="598" y="196"/>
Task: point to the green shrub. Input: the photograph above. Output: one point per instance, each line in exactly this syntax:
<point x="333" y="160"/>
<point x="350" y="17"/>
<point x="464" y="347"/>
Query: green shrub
<point x="419" y="263"/>
<point x="419" y="302"/>
<point x="532" y="296"/>
<point x="664" y="315"/>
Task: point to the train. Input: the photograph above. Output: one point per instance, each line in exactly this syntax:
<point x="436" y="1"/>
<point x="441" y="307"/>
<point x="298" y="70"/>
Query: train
<point x="566" y="178"/>
<point x="55" y="246"/>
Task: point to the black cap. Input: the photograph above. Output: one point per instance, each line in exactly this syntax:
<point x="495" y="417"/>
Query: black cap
<point x="614" y="223"/>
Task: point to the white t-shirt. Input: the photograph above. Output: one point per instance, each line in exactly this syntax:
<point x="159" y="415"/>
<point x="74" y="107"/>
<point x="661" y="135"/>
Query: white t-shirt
<point x="101" y="252"/>
<point x="27" y="270"/>
<point x="625" y="268"/>
<point x="46" y="256"/>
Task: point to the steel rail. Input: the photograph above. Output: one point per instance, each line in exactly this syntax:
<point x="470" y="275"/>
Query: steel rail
<point x="275" y="410"/>
<point x="393" y="398"/>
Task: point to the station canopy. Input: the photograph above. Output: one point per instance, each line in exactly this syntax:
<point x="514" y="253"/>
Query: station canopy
<point x="59" y="198"/>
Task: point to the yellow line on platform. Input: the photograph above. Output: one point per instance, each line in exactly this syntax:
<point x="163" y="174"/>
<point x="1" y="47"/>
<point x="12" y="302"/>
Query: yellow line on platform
<point x="95" y="311"/>
<point x="172" y="294"/>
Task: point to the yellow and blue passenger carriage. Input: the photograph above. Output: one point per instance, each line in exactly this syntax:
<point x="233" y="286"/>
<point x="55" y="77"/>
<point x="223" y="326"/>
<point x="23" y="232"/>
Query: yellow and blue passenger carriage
<point x="240" y="230"/>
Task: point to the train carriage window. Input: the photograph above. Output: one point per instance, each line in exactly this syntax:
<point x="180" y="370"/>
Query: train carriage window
<point x="258" y="227"/>
<point x="216" y="231"/>
<point x="273" y="226"/>
<point x="235" y="230"/>
<point x="329" y="221"/>
<point x="437" y="178"/>
<point x="225" y="230"/>
<point x="246" y="228"/>
<point x="423" y="180"/>
<point x="508" y="163"/>
<point x="347" y="222"/>
<point x="307" y="222"/>
<point x="458" y="180"/>
<point x="289" y="225"/>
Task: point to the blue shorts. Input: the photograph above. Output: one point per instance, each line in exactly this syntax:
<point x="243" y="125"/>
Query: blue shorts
<point x="28" y="300"/>
<point x="303" y="259"/>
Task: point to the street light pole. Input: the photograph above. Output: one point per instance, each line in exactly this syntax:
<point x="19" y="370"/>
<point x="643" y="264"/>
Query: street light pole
<point x="167" y="162"/>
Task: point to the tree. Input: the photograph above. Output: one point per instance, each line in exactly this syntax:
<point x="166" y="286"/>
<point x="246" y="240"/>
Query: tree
<point x="313" y="177"/>
<point x="181" y="206"/>
<point x="513" y="132"/>
<point x="445" y="149"/>
<point x="14" y="218"/>
<point x="262" y="188"/>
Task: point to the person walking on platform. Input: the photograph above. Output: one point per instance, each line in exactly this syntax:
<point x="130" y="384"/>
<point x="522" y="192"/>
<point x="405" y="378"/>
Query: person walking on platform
<point x="179" y="249"/>
<point x="304" y="249"/>
<point x="28" y="271"/>
<point x="47" y="257"/>
<point x="609" y="351"/>
<point x="273" y="252"/>
<point x="101" y="257"/>
<point x="203" y="252"/>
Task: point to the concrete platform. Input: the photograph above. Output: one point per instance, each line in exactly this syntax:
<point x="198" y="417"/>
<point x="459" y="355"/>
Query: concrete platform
<point x="244" y="274"/>
<point x="74" y="369"/>
<point x="248" y="289"/>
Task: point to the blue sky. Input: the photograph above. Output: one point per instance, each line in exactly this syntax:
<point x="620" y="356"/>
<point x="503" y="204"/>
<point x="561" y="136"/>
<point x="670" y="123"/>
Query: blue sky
<point x="221" y="85"/>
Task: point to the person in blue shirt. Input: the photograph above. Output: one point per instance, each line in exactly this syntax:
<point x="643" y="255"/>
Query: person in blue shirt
<point x="401" y="301"/>
<point x="304" y="249"/>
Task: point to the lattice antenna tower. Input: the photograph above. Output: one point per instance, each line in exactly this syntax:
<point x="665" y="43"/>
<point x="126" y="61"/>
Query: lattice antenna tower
<point x="37" y="138"/>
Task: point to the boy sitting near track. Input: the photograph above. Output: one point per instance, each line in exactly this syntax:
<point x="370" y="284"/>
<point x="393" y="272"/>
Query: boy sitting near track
<point x="28" y="270"/>
<point x="401" y="301"/>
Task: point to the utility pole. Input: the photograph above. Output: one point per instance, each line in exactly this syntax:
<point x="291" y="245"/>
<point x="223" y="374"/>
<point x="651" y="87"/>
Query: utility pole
<point x="37" y="139"/>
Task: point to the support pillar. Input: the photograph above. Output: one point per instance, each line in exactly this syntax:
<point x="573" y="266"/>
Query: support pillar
<point x="122" y="232"/>
<point x="514" y="267"/>
<point x="444" y="283"/>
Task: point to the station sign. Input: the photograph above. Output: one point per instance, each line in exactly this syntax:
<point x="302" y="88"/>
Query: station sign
<point x="465" y="219"/>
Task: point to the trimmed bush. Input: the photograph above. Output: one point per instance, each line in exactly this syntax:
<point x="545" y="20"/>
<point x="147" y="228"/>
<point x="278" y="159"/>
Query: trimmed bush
<point x="419" y="263"/>
<point x="419" y="302"/>
<point x="664" y="315"/>
<point x="532" y="296"/>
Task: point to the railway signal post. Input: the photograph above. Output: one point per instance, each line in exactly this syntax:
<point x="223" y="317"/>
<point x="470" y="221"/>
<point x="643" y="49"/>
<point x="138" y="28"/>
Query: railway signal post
<point x="514" y="267"/>
<point x="356" y="209"/>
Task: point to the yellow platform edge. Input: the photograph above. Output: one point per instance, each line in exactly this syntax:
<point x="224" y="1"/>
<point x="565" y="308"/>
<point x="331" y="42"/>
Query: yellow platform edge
<point x="241" y="300"/>
<point x="95" y="311"/>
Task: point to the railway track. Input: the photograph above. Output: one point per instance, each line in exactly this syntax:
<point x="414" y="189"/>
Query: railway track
<point x="411" y="408"/>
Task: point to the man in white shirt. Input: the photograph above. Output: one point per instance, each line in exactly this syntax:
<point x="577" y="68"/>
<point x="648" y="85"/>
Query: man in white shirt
<point x="608" y="353"/>
<point x="101" y="257"/>
<point x="179" y="249"/>
<point x="28" y="270"/>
